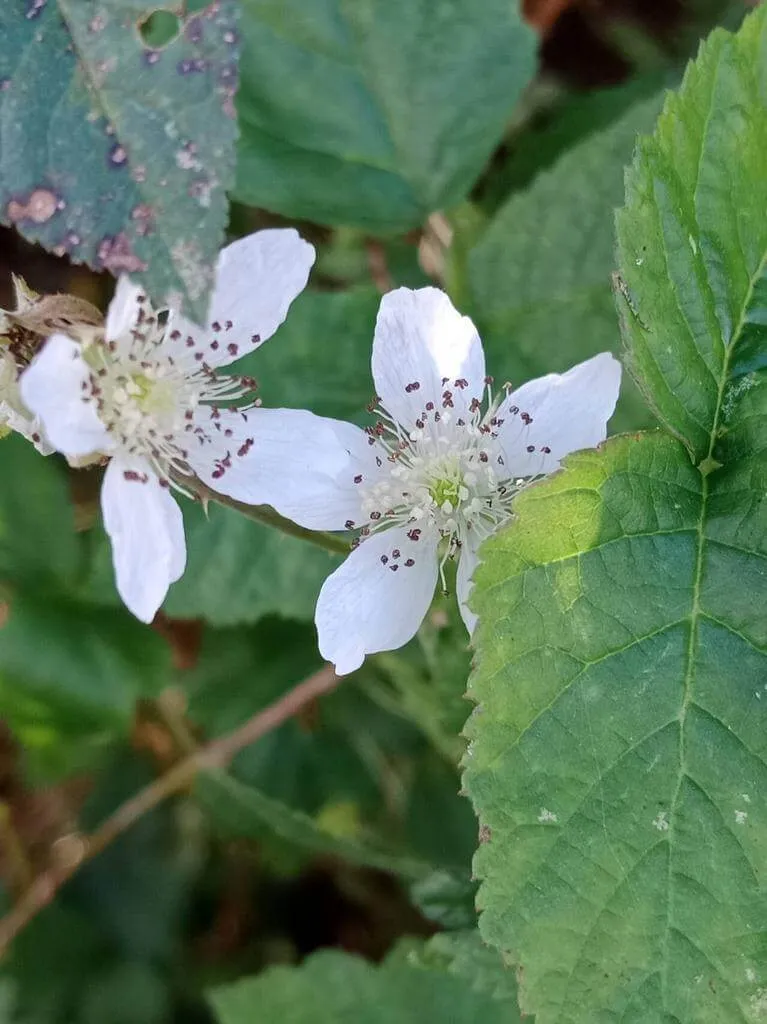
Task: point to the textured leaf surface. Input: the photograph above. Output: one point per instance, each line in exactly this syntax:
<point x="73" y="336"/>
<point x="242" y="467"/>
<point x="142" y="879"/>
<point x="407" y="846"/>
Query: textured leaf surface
<point x="334" y="988"/>
<point x="619" y="763"/>
<point x="374" y="114"/>
<point x="693" y="239"/>
<point x="540" y="275"/>
<point x="114" y="153"/>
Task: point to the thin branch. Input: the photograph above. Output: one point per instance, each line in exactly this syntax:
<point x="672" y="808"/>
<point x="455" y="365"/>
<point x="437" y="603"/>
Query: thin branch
<point x="268" y="517"/>
<point x="18" y="865"/>
<point x="73" y="851"/>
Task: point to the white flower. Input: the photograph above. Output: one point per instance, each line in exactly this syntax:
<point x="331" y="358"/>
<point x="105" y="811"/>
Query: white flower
<point x="13" y="414"/>
<point x="437" y="473"/>
<point x="145" y="392"/>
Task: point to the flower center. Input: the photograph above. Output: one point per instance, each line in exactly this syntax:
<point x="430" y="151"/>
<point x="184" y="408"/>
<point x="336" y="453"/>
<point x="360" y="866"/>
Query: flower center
<point x="148" y="389"/>
<point x="447" y="475"/>
<point x="447" y="493"/>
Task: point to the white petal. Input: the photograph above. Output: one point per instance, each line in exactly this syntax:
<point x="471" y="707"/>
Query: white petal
<point x="52" y="389"/>
<point x="146" y="529"/>
<point x="420" y="341"/>
<point x="568" y="411"/>
<point x="256" y="280"/>
<point x="367" y="605"/>
<point x="123" y="311"/>
<point x="301" y="464"/>
<point x="29" y="427"/>
<point x="467" y="563"/>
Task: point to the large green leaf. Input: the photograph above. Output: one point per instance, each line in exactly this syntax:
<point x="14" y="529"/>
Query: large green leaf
<point x="540" y="275"/>
<point x="374" y="113"/>
<point x="619" y="763"/>
<point x="334" y="988"/>
<point x="115" y="153"/>
<point x="693" y="239"/>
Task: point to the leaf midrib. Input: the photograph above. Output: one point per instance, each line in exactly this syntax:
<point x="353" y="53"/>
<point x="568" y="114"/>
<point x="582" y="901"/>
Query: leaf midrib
<point x="695" y="611"/>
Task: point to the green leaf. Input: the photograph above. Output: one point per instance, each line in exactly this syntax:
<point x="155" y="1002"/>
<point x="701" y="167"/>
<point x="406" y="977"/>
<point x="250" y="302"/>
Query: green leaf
<point x="619" y="754"/>
<point x="38" y="545"/>
<point x="619" y="759"/>
<point x="239" y="673"/>
<point x="116" y="154"/>
<point x="374" y="114"/>
<point x="244" y="811"/>
<point x="237" y="570"/>
<point x="70" y="677"/>
<point x="465" y="955"/>
<point x="446" y="900"/>
<point x="335" y="988"/>
<point x="330" y="334"/>
<point x="693" y="240"/>
<point x="540" y="276"/>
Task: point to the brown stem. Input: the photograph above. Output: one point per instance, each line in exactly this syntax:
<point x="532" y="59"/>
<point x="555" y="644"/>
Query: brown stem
<point x="18" y="865"/>
<point x="74" y="851"/>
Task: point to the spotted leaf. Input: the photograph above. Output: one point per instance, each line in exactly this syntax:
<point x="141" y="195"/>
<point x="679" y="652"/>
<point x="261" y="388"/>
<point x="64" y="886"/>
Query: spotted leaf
<point x="116" y="153"/>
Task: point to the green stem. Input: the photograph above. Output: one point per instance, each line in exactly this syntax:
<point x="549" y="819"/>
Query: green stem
<point x="268" y="517"/>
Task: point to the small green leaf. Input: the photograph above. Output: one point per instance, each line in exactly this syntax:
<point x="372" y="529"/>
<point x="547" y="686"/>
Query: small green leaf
<point x="540" y="276"/>
<point x="446" y="900"/>
<point x="114" y="153"/>
<point x="693" y="239"/>
<point x="374" y="114"/>
<point x="335" y="988"/>
<point x="244" y="811"/>
<point x="466" y="956"/>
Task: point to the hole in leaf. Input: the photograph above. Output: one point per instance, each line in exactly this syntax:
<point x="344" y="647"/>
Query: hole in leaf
<point x="159" y="28"/>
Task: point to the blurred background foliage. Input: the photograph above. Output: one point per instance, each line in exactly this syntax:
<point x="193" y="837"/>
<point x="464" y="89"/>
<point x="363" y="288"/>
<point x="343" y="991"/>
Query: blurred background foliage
<point x="344" y="827"/>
